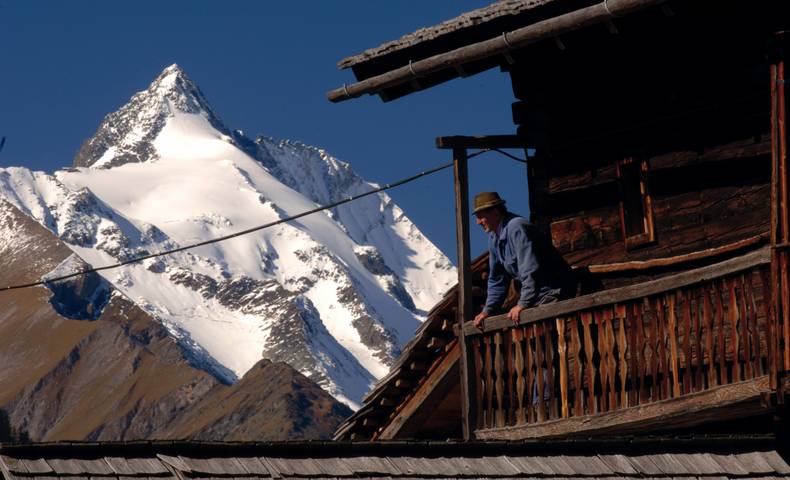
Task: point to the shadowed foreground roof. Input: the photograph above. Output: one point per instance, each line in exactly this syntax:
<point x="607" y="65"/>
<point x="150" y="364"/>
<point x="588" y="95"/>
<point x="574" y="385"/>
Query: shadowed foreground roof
<point x="656" y="457"/>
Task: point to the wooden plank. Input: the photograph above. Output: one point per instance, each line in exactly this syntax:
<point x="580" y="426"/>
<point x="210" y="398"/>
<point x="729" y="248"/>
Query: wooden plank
<point x="612" y="367"/>
<point x="464" y="312"/>
<point x="663" y="357"/>
<point x="721" y="403"/>
<point x="563" y="361"/>
<point x="639" y="265"/>
<point x="624" y="294"/>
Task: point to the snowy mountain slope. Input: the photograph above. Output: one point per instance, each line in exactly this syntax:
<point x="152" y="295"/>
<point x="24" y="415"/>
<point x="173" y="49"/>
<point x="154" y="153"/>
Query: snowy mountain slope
<point x="334" y="294"/>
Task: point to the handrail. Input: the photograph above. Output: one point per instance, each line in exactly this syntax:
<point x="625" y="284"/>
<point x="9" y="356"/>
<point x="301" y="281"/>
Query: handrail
<point x="622" y="294"/>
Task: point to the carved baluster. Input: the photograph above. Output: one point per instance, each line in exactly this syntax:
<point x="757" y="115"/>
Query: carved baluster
<point x="696" y="325"/>
<point x="540" y="372"/>
<point x="707" y="314"/>
<point x="687" y="387"/>
<point x="563" y="360"/>
<point x="589" y="353"/>
<point x="673" y="345"/>
<point x="662" y="348"/>
<point x="530" y="386"/>
<point x="757" y="346"/>
<point x="578" y="381"/>
<point x="488" y="341"/>
<point x="479" y="377"/>
<point x="746" y="328"/>
<point x="551" y="369"/>
<point x="499" y="382"/>
<point x="518" y="338"/>
<point x="622" y="348"/>
<point x="612" y="366"/>
<point x="734" y="334"/>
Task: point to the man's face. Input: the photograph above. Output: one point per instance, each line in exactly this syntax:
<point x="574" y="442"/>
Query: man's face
<point x="488" y="219"/>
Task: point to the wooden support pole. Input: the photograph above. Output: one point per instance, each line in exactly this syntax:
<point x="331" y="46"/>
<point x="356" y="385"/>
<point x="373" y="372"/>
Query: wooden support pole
<point x="468" y="379"/>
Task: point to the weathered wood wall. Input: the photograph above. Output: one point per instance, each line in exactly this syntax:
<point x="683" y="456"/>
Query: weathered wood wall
<point x="695" y="103"/>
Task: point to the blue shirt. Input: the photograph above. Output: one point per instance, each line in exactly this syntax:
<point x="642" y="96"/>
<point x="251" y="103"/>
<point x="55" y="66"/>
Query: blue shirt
<point x="517" y="250"/>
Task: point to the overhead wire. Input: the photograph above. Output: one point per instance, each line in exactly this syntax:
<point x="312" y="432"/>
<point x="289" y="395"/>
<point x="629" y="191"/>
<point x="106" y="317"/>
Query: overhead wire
<point x="141" y="258"/>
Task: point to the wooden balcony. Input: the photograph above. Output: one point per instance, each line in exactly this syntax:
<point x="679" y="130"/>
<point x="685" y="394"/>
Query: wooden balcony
<point x="673" y="352"/>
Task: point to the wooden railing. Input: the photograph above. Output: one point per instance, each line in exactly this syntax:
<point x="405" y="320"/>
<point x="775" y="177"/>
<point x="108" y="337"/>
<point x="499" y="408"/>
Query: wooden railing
<point x="627" y="347"/>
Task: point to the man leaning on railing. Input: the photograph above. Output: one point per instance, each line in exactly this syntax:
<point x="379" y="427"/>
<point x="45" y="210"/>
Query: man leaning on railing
<point x="517" y="250"/>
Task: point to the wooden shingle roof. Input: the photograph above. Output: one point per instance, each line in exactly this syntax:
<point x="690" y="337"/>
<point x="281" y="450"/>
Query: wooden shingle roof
<point x="494" y="12"/>
<point x="695" y="458"/>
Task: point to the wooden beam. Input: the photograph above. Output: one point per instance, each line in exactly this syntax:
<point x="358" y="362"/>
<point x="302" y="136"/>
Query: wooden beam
<point x="677" y="259"/>
<point x="464" y="311"/>
<point x="736" y="400"/>
<point x="618" y="295"/>
<point x="499" y="45"/>
<point x="435" y="384"/>
<point x="482" y="141"/>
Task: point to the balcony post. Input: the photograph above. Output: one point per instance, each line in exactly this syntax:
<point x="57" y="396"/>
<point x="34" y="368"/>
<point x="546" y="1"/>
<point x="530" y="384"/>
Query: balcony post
<point x="779" y="348"/>
<point x="464" y="311"/>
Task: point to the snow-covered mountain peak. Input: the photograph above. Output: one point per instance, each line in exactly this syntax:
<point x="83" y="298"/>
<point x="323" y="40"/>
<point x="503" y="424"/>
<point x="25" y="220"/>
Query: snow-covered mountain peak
<point x="127" y="135"/>
<point x="335" y="294"/>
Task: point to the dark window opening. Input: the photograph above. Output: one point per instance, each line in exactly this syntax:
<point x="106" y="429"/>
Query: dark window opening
<point x="636" y="206"/>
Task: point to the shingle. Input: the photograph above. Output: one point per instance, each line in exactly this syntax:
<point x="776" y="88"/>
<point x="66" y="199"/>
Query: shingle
<point x="729" y="465"/>
<point x="27" y="465"/>
<point x="214" y="466"/>
<point x="669" y="464"/>
<point x="95" y="467"/>
<point x="645" y="465"/>
<point x="334" y="466"/>
<point x="65" y="466"/>
<point x="147" y="466"/>
<point x="295" y="466"/>
<point x="253" y="466"/>
<point x="587" y="465"/>
<point x="618" y="464"/>
<point x="531" y="466"/>
<point x="754" y="462"/>
<point x="364" y="465"/>
<point x="557" y="465"/>
<point x="176" y="462"/>
<point x="776" y="462"/>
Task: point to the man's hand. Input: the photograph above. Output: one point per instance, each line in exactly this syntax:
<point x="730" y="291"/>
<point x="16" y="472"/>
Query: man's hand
<point x="479" y="320"/>
<point x="514" y="314"/>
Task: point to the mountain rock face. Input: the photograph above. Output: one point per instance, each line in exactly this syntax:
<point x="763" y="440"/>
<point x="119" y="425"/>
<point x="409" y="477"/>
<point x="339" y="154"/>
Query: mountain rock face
<point x="110" y="371"/>
<point x="334" y="295"/>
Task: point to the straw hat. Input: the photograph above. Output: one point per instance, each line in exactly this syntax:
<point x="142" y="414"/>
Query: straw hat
<point x="484" y="200"/>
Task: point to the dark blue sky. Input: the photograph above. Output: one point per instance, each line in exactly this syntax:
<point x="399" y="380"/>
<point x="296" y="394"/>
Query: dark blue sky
<point x="265" y="67"/>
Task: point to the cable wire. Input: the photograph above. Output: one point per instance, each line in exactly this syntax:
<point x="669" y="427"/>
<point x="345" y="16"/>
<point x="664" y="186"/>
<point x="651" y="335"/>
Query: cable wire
<point x="242" y="232"/>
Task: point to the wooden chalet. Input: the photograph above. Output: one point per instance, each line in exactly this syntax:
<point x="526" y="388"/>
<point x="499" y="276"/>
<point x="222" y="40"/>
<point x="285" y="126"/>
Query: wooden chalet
<point x="660" y="172"/>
